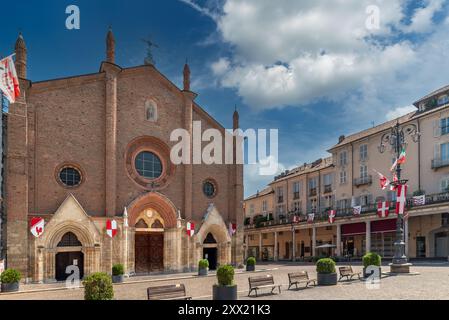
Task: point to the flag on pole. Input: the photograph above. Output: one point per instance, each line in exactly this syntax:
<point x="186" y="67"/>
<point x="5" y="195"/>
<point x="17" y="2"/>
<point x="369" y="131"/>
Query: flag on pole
<point x="419" y="200"/>
<point x="9" y="82"/>
<point x="111" y="228"/>
<point x="400" y="160"/>
<point x="383" y="209"/>
<point x="357" y="210"/>
<point x="383" y="181"/>
<point x="37" y="226"/>
<point x="125" y="218"/>
<point x="190" y="229"/>
<point x="401" y="199"/>
<point x="295" y="219"/>
<point x="395" y="180"/>
<point x="332" y="215"/>
<point x="310" y="217"/>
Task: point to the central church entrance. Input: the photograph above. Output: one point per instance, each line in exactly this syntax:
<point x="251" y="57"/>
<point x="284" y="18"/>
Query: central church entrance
<point x="70" y="255"/>
<point x="149" y="243"/>
<point x="210" y="251"/>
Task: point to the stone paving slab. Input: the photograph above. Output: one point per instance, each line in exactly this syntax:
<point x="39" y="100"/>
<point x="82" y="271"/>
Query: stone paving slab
<point x="431" y="283"/>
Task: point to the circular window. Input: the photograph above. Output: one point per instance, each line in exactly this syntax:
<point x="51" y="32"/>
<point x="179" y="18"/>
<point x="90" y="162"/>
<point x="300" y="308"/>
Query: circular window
<point x="70" y="176"/>
<point x="148" y="165"/>
<point x="209" y="189"/>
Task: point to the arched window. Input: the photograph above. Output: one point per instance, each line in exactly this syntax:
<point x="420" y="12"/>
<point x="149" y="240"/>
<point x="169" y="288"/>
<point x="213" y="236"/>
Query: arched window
<point x="210" y="239"/>
<point x="69" y="240"/>
<point x="141" y="224"/>
<point x="157" y="225"/>
<point x="151" y="110"/>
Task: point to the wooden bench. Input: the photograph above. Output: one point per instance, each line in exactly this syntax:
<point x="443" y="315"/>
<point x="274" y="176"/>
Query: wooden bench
<point x="300" y="277"/>
<point x="348" y="273"/>
<point x="262" y="282"/>
<point x="169" y="292"/>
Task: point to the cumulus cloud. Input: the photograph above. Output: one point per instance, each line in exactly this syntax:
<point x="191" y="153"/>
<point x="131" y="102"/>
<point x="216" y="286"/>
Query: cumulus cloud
<point x="291" y="53"/>
<point x="400" y="111"/>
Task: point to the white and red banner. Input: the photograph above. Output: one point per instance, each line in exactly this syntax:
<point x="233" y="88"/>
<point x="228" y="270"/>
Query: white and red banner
<point x="357" y="210"/>
<point x="232" y="228"/>
<point x="401" y="198"/>
<point x="383" y="181"/>
<point x="37" y="226"/>
<point x="9" y="83"/>
<point x="190" y="228"/>
<point x="383" y="209"/>
<point x="419" y="200"/>
<point x="111" y="228"/>
<point x="310" y="217"/>
<point x="332" y="214"/>
<point x="295" y="219"/>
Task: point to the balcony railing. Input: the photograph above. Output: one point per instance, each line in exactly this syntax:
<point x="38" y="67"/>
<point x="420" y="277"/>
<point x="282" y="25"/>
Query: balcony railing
<point x="295" y="195"/>
<point x="328" y="188"/>
<point x="323" y="213"/>
<point x="440" y="163"/>
<point x="363" y="181"/>
<point x="312" y="192"/>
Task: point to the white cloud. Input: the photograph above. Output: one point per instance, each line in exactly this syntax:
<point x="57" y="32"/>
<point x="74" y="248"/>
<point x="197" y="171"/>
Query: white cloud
<point x="291" y="52"/>
<point x="400" y="111"/>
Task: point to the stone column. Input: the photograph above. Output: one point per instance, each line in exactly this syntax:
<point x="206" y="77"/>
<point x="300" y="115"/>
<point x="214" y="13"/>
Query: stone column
<point x="406" y="236"/>
<point x="260" y="246"/>
<point x="293" y="244"/>
<point x="338" y="249"/>
<point x="275" y="254"/>
<point x="313" y="241"/>
<point x="368" y="236"/>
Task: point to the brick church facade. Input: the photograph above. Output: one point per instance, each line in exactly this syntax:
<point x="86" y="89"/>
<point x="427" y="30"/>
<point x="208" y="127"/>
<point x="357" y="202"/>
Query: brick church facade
<point x="82" y="149"/>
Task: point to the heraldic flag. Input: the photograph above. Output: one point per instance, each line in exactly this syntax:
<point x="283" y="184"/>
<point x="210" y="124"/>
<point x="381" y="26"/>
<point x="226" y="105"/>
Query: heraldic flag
<point x="9" y="83"/>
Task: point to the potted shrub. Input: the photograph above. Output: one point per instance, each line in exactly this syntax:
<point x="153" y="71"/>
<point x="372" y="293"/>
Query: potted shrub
<point x="251" y="264"/>
<point x="98" y="286"/>
<point x="371" y="259"/>
<point x="226" y="289"/>
<point x="327" y="276"/>
<point x="118" y="270"/>
<point x="10" y="280"/>
<point x="203" y="266"/>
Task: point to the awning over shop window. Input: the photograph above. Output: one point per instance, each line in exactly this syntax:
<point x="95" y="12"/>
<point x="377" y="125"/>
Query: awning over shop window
<point x="353" y="229"/>
<point x="383" y="226"/>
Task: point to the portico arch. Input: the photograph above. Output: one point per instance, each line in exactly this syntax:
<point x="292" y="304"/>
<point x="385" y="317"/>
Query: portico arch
<point x="156" y="201"/>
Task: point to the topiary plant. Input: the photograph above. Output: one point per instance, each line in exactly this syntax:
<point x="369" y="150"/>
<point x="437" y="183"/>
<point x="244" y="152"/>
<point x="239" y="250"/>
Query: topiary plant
<point x="10" y="276"/>
<point x="98" y="286"/>
<point x="251" y="261"/>
<point x="225" y="275"/>
<point x="203" y="264"/>
<point x="372" y="259"/>
<point x="118" y="269"/>
<point x="325" y="265"/>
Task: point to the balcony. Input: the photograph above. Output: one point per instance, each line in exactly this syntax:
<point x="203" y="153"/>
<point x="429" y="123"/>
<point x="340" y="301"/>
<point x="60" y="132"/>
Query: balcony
<point x="295" y="195"/>
<point x="312" y="192"/>
<point x="328" y="188"/>
<point x="280" y="199"/>
<point x="439" y="163"/>
<point x="363" y="181"/>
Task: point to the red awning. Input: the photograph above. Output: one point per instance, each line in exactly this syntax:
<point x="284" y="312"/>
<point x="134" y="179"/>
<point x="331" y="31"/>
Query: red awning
<point x="383" y="226"/>
<point x="353" y="229"/>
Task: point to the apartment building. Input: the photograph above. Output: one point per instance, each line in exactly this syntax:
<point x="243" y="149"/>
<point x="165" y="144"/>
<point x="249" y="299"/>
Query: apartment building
<point x="348" y="179"/>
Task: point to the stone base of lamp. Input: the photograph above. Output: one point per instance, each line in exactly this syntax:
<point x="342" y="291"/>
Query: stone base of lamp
<point x="400" y="268"/>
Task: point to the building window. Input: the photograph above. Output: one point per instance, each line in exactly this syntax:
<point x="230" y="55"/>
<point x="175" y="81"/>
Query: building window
<point x="444" y="151"/>
<point x="363" y="152"/>
<point x="264" y="206"/>
<point x="327" y="179"/>
<point x="70" y="176"/>
<point x="296" y="190"/>
<point x="296" y="206"/>
<point x="444" y="126"/>
<point x="148" y="165"/>
<point x="251" y="208"/>
<point x="151" y="111"/>
<point x="69" y="240"/>
<point x="343" y="158"/>
<point x="209" y="189"/>
<point x="363" y="171"/>
<point x="280" y="193"/>
<point x="312" y="187"/>
<point x="445" y="184"/>
<point x="444" y="99"/>
<point x="343" y="177"/>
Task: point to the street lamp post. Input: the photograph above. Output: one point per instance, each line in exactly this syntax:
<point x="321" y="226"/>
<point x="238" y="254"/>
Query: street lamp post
<point x="396" y="138"/>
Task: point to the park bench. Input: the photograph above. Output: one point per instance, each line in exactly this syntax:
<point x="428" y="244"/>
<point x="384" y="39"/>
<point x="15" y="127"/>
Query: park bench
<point x="169" y="292"/>
<point x="299" y="277"/>
<point x="348" y="273"/>
<point x="262" y="282"/>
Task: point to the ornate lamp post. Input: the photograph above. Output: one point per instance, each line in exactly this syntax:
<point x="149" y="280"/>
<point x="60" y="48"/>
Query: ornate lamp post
<point x="396" y="138"/>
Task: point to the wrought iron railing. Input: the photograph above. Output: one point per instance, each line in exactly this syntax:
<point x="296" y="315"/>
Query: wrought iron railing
<point x="440" y="163"/>
<point x="363" y="180"/>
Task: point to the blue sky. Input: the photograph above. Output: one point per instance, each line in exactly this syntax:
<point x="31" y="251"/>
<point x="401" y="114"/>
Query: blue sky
<point x="311" y="69"/>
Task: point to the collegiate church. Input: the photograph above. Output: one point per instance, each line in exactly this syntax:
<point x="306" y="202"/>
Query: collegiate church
<point x="82" y="149"/>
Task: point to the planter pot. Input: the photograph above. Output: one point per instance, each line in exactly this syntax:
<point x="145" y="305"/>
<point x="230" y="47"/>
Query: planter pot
<point x="366" y="275"/>
<point x="202" y="272"/>
<point x="224" y="292"/>
<point x="327" y="279"/>
<point x="10" y="287"/>
<point x="250" y="268"/>
<point x="117" y="279"/>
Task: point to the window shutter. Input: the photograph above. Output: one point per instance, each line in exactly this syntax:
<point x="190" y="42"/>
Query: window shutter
<point x="436" y="128"/>
<point x="436" y="153"/>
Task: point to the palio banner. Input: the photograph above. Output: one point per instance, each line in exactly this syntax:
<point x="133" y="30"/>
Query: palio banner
<point x="37" y="225"/>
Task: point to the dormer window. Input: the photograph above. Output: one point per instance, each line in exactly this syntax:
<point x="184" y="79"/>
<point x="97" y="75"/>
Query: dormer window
<point x="444" y="99"/>
<point x="151" y="111"/>
<point x="422" y="107"/>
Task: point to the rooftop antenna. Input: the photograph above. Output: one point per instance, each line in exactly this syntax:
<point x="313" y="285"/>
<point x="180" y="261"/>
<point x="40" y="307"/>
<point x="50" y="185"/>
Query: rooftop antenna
<point x="149" y="59"/>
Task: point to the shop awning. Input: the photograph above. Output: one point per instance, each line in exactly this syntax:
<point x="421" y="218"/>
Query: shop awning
<point x="383" y="226"/>
<point x="353" y="229"/>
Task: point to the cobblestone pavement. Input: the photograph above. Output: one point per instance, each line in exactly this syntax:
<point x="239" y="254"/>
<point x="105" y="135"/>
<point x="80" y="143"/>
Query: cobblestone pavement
<point x="432" y="282"/>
